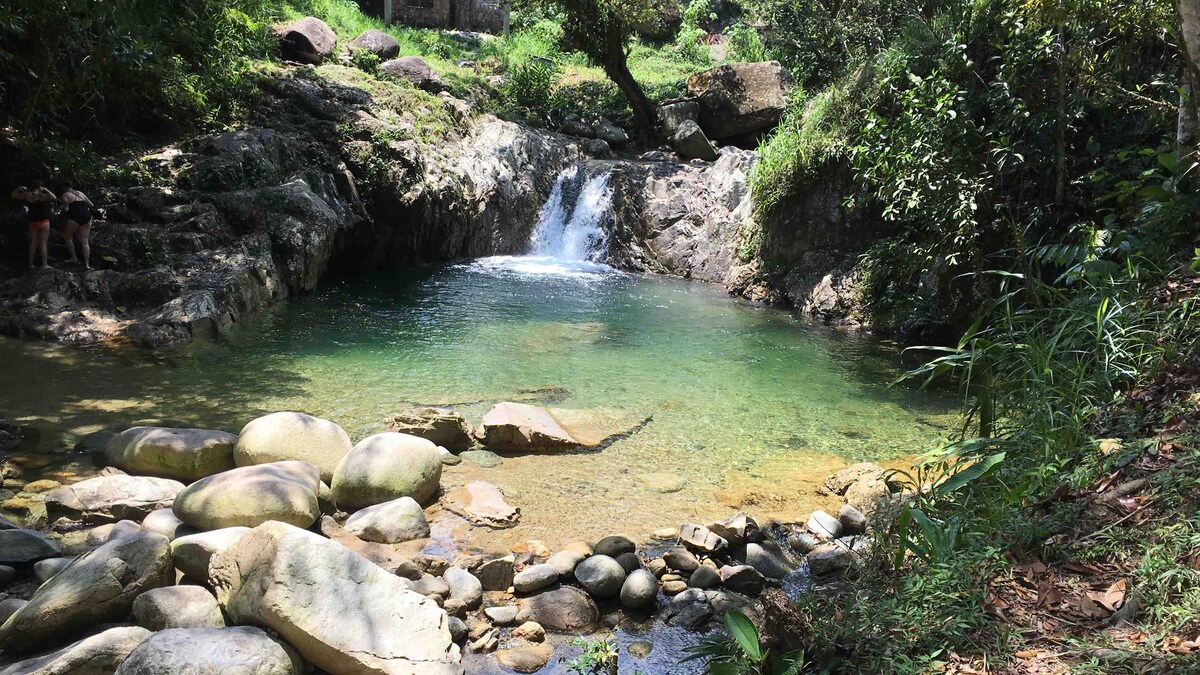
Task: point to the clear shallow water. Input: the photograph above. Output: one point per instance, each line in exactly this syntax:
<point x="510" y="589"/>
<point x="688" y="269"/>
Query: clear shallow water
<point x="747" y="407"/>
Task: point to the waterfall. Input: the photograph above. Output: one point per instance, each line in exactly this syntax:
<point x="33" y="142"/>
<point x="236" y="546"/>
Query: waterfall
<point x="570" y="223"/>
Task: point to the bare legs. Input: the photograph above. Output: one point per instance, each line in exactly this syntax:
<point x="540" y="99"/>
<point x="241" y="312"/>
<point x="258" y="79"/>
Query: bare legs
<point x="38" y="237"/>
<point x="69" y="235"/>
<point x="84" y="231"/>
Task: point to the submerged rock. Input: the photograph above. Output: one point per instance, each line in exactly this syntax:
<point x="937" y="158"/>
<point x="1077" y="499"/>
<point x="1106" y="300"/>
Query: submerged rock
<point x="441" y="426"/>
<point x="387" y="466"/>
<point x="482" y="504"/>
<point x="522" y="427"/>
<point x="342" y="612"/>
<point x="250" y="495"/>
<point x="284" y="436"/>
<point x="180" y="454"/>
<point x="525" y="659"/>
<point x="564" y="609"/>
<point x="484" y="458"/>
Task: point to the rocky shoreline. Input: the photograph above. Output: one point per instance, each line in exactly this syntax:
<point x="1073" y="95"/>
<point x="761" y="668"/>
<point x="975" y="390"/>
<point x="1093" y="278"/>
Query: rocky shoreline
<point x="288" y="546"/>
<point x="339" y="174"/>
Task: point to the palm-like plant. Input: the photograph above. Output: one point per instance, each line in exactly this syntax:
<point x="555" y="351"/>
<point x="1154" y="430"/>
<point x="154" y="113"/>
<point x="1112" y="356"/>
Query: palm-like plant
<point x="741" y="653"/>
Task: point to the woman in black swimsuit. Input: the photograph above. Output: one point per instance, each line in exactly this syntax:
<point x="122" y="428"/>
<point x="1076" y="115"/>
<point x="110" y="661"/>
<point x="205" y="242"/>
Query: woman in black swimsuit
<point x="79" y="219"/>
<point x="38" y="202"/>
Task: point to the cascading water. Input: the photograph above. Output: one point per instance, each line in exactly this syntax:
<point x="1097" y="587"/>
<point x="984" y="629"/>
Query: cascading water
<point x="572" y="229"/>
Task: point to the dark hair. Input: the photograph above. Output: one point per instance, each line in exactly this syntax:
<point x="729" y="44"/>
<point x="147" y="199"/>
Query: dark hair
<point x="67" y="185"/>
<point x="38" y="183"/>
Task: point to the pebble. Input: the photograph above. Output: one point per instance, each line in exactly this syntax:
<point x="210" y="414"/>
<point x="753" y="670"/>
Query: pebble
<point x="531" y="631"/>
<point x="503" y="615"/>
<point x="640" y="649"/>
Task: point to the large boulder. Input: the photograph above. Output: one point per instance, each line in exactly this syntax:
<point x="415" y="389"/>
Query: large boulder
<point x="690" y="142"/>
<point x="343" y="613"/>
<point x="390" y="522"/>
<point x="522" y="427"/>
<point x="164" y="522"/>
<point x="378" y="43"/>
<point x="182" y="454"/>
<point x="441" y="426"/>
<point x="25" y="546"/>
<point x="565" y="608"/>
<point x="252" y="495"/>
<point x="307" y="40"/>
<point x="387" y="466"/>
<point x="671" y="115"/>
<point x="99" y="586"/>
<point x="482" y="504"/>
<point x="107" y="499"/>
<point x="283" y="436"/>
<point x="177" y="607"/>
<point x="243" y="650"/>
<point x="640" y="590"/>
<point x="194" y="552"/>
<point x="740" y="98"/>
<point x="98" y="654"/>
<point x="601" y="575"/>
<point x="415" y="70"/>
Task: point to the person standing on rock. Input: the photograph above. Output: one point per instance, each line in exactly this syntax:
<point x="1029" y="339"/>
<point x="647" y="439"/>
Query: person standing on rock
<point x="38" y="202"/>
<point x="79" y="219"/>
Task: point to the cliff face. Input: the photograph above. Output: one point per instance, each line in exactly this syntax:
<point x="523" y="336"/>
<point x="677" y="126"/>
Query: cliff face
<point x="334" y="179"/>
<point x="222" y="226"/>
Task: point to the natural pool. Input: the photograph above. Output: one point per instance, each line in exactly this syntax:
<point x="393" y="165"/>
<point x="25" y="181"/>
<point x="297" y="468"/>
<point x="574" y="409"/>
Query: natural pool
<point x="748" y="407"/>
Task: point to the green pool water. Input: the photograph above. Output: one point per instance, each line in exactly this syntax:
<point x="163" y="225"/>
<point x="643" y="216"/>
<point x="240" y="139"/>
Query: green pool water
<point x="735" y="405"/>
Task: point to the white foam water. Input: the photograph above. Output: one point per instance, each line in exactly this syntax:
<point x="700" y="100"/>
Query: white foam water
<point x="574" y="230"/>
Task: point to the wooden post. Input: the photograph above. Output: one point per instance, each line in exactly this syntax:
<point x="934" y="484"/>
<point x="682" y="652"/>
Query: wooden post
<point x="387" y="12"/>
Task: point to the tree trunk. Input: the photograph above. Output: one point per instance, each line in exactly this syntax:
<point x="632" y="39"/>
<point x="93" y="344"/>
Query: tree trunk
<point x="1189" y="110"/>
<point x="616" y="66"/>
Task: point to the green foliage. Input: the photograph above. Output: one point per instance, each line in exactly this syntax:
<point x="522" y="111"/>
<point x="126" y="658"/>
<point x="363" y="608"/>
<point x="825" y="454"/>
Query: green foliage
<point x="364" y="60"/>
<point x="741" y="653"/>
<point x="745" y="44"/>
<point x="532" y="85"/>
<point x="599" y="656"/>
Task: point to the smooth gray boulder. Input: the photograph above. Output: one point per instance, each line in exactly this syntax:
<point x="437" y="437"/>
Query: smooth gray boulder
<point x="690" y="142"/>
<point x="180" y="454"/>
<point x="535" y="577"/>
<point x="194" y="552"/>
<point x="671" y="115"/>
<point x="824" y="525"/>
<point x="565" y="562"/>
<point x="680" y="559"/>
<point x="390" y="522"/>
<point x="565" y="608"/>
<point x="704" y="577"/>
<point x="9" y="606"/>
<point x="21" y="547"/>
<point x="740" y="98"/>
<point x="689" y="609"/>
<point x="387" y="466"/>
<point x="416" y="71"/>
<point x="98" y="654"/>
<point x="292" y="436"/>
<point x="7" y="574"/>
<point x="164" y="522"/>
<point x="640" y="590"/>
<point x="440" y="426"/>
<point x="853" y="521"/>
<point x="238" y="650"/>
<point x="496" y="574"/>
<point x="99" y="586"/>
<point x="177" y="607"/>
<point x="502" y="615"/>
<point x="107" y="499"/>
<point x="614" y="545"/>
<point x="769" y="562"/>
<point x="308" y="40"/>
<point x="601" y="576"/>
<point x="378" y="43"/>
<point x="251" y="495"/>
<point x="44" y="570"/>
<point x="742" y="579"/>
<point x="464" y="587"/>
<point x="342" y="612"/>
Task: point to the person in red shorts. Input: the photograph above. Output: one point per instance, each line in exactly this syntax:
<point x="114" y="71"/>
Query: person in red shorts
<point x="38" y="201"/>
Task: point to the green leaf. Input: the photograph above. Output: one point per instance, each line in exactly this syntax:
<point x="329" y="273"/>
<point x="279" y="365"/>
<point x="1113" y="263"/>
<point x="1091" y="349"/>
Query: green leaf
<point x="974" y="472"/>
<point x="743" y="630"/>
<point x="723" y="668"/>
